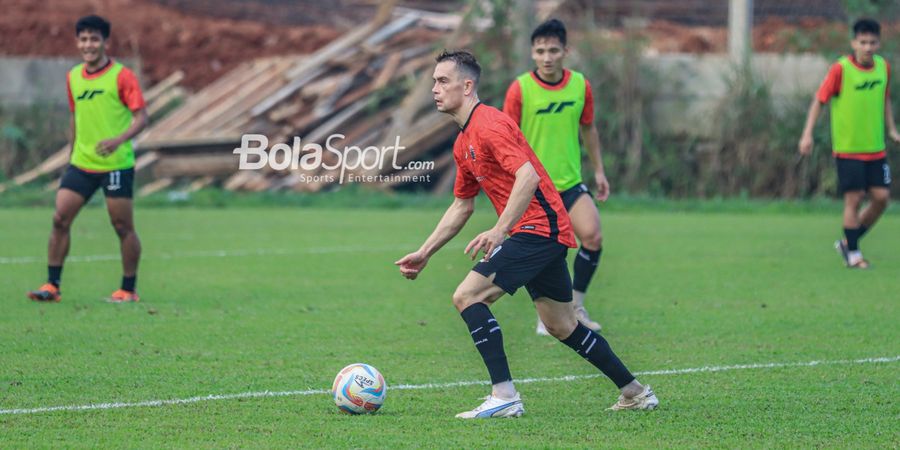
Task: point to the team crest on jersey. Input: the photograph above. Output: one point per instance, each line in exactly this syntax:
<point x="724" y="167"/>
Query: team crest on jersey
<point x="472" y="152"/>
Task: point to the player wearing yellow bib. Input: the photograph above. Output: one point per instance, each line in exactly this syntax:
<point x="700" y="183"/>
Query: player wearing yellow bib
<point x="857" y="86"/>
<point x="554" y="106"/>
<point x="107" y="111"/>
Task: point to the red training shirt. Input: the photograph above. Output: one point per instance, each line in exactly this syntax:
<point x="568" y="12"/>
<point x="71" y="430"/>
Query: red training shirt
<point x="488" y="151"/>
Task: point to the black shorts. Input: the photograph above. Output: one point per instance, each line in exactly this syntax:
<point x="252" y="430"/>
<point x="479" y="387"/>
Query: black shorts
<point x="570" y="195"/>
<point x="533" y="261"/>
<point x="118" y="183"/>
<point x="855" y="175"/>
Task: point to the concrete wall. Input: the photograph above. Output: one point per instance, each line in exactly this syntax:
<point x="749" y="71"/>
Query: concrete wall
<point x="29" y="80"/>
<point x="26" y="80"/>
<point x="690" y="88"/>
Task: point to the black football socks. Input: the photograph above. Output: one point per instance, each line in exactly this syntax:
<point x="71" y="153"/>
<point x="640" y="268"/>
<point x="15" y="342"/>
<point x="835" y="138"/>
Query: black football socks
<point x="488" y="340"/>
<point x="54" y="275"/>
<point x="586" y="262"/>
<point x="128" y="283"/>
<point x="852" y="235"/>
<point x="592" y="347"/>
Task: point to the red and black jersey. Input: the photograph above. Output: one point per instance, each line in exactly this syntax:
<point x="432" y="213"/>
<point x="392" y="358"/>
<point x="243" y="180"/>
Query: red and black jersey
<point x="489" y="150"/>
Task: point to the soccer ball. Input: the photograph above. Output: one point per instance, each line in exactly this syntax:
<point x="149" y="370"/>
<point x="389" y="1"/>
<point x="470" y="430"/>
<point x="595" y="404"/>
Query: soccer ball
<point x="359" y="389"/>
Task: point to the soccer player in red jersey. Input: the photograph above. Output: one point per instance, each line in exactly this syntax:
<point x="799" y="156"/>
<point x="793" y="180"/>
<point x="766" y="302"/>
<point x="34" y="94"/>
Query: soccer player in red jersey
<point x="527" y="247"/>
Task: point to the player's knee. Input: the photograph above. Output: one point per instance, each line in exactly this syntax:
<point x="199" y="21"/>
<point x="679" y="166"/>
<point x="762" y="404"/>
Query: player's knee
<point x="123" y="227"/>
<point x="594" y="241"/>
<point x="561" y="327"/>
<point x="61" y="223"/>
<point x="881" y="198"/>
<point x="462" y="300"/>
<point x="853" y="201"/>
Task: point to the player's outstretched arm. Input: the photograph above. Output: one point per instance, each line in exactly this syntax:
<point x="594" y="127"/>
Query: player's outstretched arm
<point x="138" y="123"/>
<point x="527" y="180"/>
<point x="591" y="138"/>
<point x="806" y="139"/>
<point x="450" y="225"/>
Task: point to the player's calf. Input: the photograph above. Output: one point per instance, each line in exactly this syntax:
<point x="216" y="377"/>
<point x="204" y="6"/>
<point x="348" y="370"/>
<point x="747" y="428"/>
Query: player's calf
<point x="488" y="339"/>
<point x="585" y="266"/>
<point x="592" y="347"/>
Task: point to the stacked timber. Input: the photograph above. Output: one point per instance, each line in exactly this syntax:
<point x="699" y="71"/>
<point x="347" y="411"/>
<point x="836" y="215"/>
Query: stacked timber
<point x="368" y="88"/>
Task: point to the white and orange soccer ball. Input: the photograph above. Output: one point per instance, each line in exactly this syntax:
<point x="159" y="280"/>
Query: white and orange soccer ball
<point x="359" y="389"/>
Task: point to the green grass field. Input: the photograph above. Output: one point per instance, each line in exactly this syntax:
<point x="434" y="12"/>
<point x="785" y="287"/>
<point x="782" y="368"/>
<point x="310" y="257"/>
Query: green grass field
<point x="251" y="300"/>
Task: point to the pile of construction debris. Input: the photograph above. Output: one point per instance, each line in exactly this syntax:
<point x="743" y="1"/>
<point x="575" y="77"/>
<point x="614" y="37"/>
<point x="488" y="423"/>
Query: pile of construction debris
<point x="358" y="86"/>
<point x="371" y="86"/>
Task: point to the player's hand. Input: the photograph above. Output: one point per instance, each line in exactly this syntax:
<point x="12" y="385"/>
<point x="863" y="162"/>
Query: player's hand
<point x="895" y="136"/>
<point x="806" y="145"/>
<point x="602" y="186"/>
<point x="412" y="264"/>
<point x="108" y="146"/>
<point x="487" y="241"/>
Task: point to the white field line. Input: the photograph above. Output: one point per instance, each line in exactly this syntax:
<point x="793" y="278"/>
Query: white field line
<point x="404" y="387"/>
<point x="400" y="249"/>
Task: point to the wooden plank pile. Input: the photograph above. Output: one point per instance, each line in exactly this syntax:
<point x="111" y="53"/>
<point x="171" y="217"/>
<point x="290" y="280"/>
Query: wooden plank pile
<point x="372" y="86"/>
<point x="362" y="86"/>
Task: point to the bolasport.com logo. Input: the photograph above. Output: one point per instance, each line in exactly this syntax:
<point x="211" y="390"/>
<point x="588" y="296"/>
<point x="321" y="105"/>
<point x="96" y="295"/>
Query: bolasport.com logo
<point x="331" y="163"/>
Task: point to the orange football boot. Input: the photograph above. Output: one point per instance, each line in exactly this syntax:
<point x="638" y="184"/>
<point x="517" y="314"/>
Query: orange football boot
<point x="46" y="293"/>
<point x="123" y="296"/>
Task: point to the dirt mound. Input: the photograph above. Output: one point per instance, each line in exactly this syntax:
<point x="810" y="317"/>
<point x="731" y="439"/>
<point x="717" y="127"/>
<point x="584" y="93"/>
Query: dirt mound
<point x="165" y="39"/>
<point x="206" y="38"/>
<point x="339" y="13"/>
<point x="773" y="34"/>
